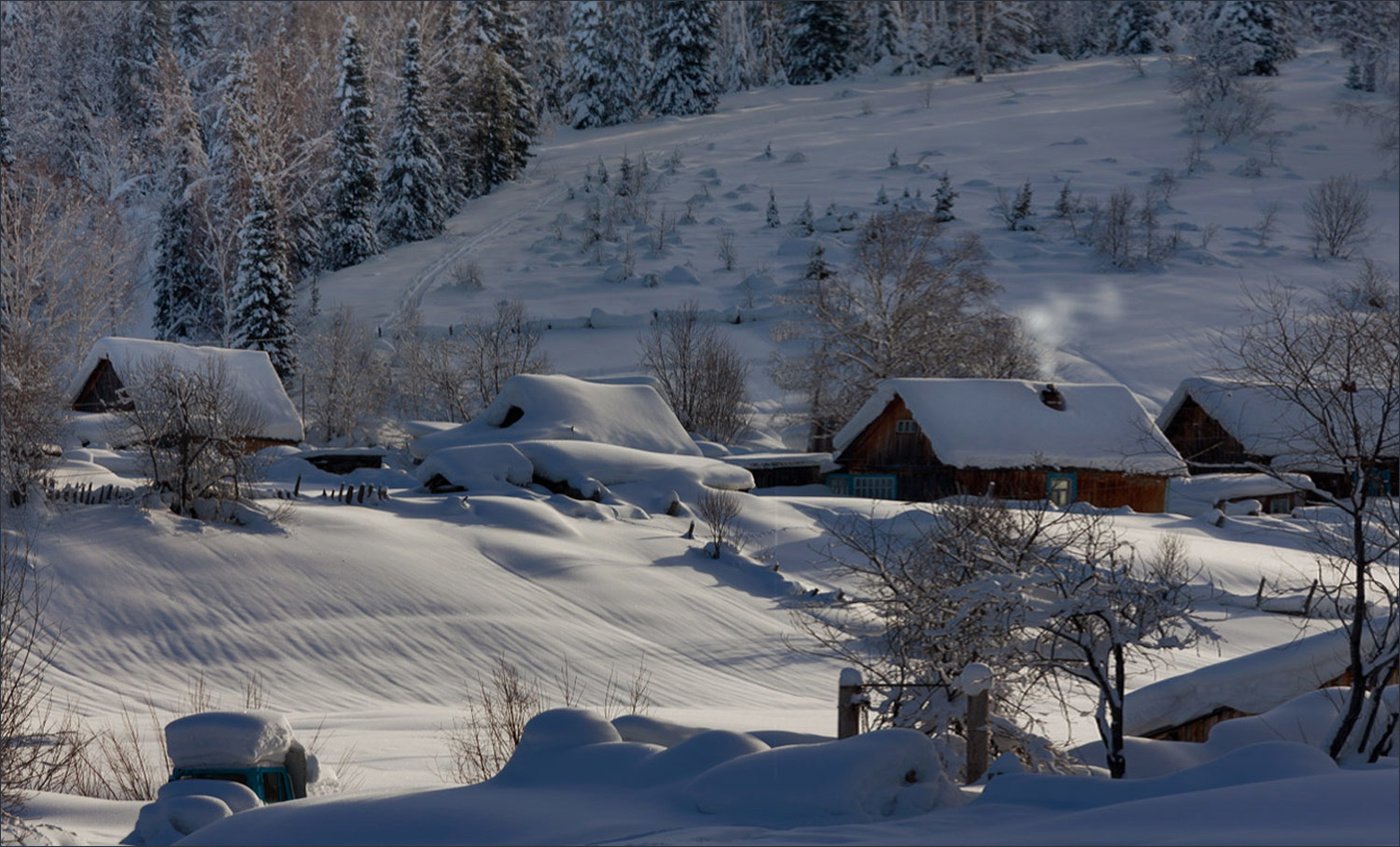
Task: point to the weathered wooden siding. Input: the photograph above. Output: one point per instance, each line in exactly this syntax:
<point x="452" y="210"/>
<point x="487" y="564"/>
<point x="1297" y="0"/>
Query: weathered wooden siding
<point x="922" y="476"/>
<point x="1203" y="442"/>
<point x="100" y="391"/>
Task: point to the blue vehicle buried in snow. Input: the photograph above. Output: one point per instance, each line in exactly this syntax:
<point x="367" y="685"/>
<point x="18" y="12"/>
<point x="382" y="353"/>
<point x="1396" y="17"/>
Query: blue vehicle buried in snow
<point x="223" y="763"/>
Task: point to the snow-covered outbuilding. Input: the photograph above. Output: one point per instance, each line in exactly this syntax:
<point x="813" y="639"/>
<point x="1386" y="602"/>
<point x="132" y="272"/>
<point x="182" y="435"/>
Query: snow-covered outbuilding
<point x="114" y="361"/>
<point x="923" y="439"/>
<point x="1221" y="425"/>
<point x="539" y="407"/>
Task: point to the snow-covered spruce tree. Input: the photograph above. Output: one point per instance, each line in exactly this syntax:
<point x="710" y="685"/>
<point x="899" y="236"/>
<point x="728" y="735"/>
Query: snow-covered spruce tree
<point x="588" y="68"/>
<point x="989" y="35"/>
<point x="144" y="37"/>
<point x="450" y="72"/>
<point x="493" y="107"/>
<point x="547" y="25"/>
<point x="887" y="45"/>
<point x="189" y="298"/>
<point x="350" y="221"/>
<point x="819" y="41"/>
<point x="188" y="35"/>
<point x="508" y="33"/>
<point x="263" y="297"/>
<point x="1137" y="27"/>
<point x="414" y="203"/>
<point x="772" y="218"/>
<point x="1259" y="25"/>
<point x="768" y="27"/>
<point x="1366" y="30"/>
<point x="683" y="47"/>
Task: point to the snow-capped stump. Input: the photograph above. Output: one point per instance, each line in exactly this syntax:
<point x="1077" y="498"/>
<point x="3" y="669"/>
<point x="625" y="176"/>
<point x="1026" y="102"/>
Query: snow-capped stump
<point x="213" y="739"/>
<point x="888" y="773"/>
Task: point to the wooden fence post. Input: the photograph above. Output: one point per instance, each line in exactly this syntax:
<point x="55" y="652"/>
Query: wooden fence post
<point x="850" y="699"/>
<point x="976" y="683"/>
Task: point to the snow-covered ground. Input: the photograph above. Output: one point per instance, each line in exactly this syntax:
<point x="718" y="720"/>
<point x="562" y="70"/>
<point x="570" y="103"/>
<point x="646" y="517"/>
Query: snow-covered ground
<point x="373" y="622"/>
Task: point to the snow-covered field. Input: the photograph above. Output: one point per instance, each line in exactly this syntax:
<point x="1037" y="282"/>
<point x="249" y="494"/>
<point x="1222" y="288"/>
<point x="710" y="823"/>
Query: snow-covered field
<point x="372" y="622"/>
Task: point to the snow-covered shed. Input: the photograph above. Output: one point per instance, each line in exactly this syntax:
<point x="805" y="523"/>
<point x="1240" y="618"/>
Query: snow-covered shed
<point x="1221" y="425"/>
<point x="112" y="361"/>
<point x="922" y="439"/>
<point x="538" y="407"/>
<point x="1185" y="707"/>
<point x="771" y="470"/>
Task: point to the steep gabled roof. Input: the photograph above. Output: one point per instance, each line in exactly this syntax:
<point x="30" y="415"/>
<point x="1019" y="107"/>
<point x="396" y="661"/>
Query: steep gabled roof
<point x="1002" y="423"/>
<point x="250" y="374"/>
<point x="563" y="408"/>
<point x="1266" y="423"/>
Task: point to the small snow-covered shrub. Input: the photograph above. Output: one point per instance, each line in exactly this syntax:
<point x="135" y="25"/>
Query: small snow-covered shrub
<point x="466" y="275"/>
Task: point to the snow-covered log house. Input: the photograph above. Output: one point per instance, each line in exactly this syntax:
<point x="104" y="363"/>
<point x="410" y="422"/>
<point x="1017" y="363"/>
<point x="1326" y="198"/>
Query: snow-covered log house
<point x="1226" y="426"/>
<point x="97" y="386"/>
<point x="924" y="439"/>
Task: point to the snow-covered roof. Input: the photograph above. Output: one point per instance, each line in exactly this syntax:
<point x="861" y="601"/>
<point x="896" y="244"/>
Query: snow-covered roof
<point x="563" y="408"/>
<point x="764" y="461"/>
<point x="1268" y="424"/>
<point x="1192" y="495"/>
<point x="1002" y="423"/>
<point x="1253" y="683"/>
<point x="250" y="373"/>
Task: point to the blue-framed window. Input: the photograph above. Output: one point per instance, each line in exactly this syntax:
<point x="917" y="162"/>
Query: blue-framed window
<point x="1061" y="489"/>
<point x="872" y="485"/>
<point x="1377" y="482"/>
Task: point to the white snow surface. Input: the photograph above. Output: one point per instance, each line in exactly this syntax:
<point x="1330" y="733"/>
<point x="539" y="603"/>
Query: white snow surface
<point x="236" y="739"/>
<point x="250" y="374"/>
<point x="558" y="407"/>
<point x="1002" y="423"/>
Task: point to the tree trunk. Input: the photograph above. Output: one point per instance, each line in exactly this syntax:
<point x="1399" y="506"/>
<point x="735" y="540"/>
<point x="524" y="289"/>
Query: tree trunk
<point x="1358" y="624"/>
<point x="1117" y="763"/>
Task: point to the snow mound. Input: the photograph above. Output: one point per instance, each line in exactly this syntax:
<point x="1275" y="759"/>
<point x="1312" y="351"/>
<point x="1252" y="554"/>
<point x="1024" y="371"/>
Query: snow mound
<point x="612" y="474"/>
<point x="1268" y="761"/>
<point x="884" y="774"/>
<point x="478" y="467"/>
<point x="571" y="747"/>
<point x="539" y="407"/>
<point x="238" y="739"/>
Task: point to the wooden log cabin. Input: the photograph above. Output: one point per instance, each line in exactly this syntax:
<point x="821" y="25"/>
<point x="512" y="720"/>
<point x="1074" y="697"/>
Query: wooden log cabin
<point x="1227" y="426"/>
<point x="924" y="439"/>
<point x="97" y="386"/>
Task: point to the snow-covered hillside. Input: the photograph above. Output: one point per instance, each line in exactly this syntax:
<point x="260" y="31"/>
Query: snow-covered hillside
<point x="1097" y="124"/>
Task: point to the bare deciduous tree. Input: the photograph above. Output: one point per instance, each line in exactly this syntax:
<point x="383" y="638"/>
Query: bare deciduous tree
<point x="700" y="374"/>
<point x="1334" y="365"/>
<point x="913" y="304"/>
<point x="1338" y="210"/>
<point x="720" y="511"/>
<point x="501" y="347"/>
<point x="65" y="279"/>
<point x="192" y="427"/>
<point x="974" y="580"/>
<point x="1103" y="605"/>
<point x="346" y="379"/>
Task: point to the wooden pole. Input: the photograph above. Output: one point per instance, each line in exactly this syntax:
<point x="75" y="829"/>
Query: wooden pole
<point x="976" y="683"/>
<point x="850" y="698"/>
